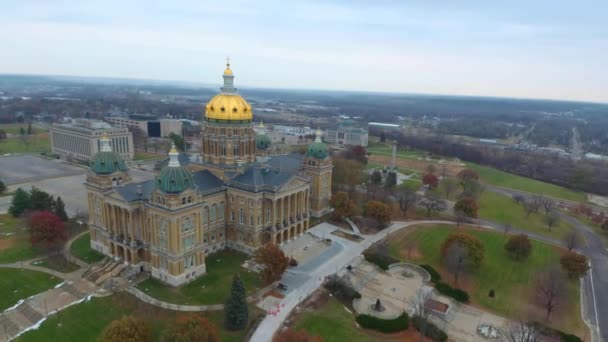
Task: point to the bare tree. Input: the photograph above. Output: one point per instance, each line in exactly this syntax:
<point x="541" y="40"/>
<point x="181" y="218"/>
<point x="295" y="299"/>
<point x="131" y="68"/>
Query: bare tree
<point x="573" y="240"/>
<point x="520" y="331"/>
<point x="528" y="208"/>
<point x="422" y="308"/>
<point x="432" y="203"/>
<point x="547" y="204"/>
<point x="455" y="260"/>
<point x="406" y="199"/>
<point x="551" y="219"/>
<point x="449" y="186"/>
<point x="537" y="202"/>
<point x="550" y="290"/>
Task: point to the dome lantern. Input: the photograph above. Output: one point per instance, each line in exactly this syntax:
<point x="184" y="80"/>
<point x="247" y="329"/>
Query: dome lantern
<point x="317" y="149"/>
<point x="228" y="106"/>
<point x="106" y="161"/>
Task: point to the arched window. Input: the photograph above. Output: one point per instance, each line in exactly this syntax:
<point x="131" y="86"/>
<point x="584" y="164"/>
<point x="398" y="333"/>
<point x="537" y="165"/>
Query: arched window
<point x="162" y="234"/>
<point x="213" y="213"/>
<point x="241" y="216"/>
<point x="187" y="233"/>
<point x="221" y="213"/>
<point x="205" y="215"/>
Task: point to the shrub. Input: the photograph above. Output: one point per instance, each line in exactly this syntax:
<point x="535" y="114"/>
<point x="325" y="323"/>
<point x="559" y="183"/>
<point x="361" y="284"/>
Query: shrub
<point x="381" y="260"/>
<point x="435" y="276"/>
<point x="519" y="246"/>
<point x="431" y="330"/>
<point x="342" y="291"/>
<point x="551" y="332"/>
<point x="386" y="326"/>
<point x="458" y="294"/>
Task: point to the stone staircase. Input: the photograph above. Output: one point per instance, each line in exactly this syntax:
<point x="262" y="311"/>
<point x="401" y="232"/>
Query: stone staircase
<point x="34" y="309"/>
<point x="103" y="271"/>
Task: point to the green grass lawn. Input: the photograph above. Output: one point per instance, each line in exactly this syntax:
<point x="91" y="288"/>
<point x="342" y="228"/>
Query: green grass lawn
<point x="212" y="288"/>
<point x="14" y="241"/>
<point x="29" y="144"/>
<point x="513" y="281"/>
<point x="81" y="249"/>
<point x="15" y="128"/>
<point x="503" y="209"/>
<point x="333" y="323"/>
<point x="146" y="156"/>
<point x="85" y="322"/>
<point x="504" y="179"/>
<point x="18" y="284"/>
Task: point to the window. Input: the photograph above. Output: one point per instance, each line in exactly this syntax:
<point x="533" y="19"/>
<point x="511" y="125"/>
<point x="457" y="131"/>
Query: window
<point x="189" y="261"/>
<point x="235" y="150"/>
<point x="187" y="233"/>
<point x="259" y="219"/>
<point x="232" y="215"/>
<point x="189" y="199"/>
<point x="213" y="213"/>
<point x="268" y="215"/>
<point x="250" y="203"/>
<point x="241" y="216"/>
<point x="251" y="220"/>
<point x="183" y="200"/>
<point x="162" y="234"/>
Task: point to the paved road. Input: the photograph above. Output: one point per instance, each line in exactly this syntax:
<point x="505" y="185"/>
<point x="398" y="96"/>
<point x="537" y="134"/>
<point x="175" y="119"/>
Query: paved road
<point x="595" y="284"/>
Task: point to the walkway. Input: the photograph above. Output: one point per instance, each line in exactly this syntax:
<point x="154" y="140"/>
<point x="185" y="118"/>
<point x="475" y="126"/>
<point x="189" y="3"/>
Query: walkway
<point x="307" y="284"/>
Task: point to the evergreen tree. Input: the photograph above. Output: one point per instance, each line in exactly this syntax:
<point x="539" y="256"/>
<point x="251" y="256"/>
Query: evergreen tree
<point x="236" y="306"/>
<point x="391" y="180"/>
<point x="22" y="131"/>
<point x="2" y="187"/>
<point x="20" y="203"/>
<point x="41" y="200"/>
<point x="59" y="209"/>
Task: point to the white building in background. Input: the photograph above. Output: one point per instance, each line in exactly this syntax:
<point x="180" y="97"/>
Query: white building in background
<point x="80" y="139"/>
<point x="346" y="135"/>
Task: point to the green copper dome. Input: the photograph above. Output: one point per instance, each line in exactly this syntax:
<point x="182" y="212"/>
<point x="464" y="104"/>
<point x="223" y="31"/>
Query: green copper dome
<point x="317" y="150"/>
<point x="174" y="179"/>
<point x="106" y="163"/>
<point x="262" y="141"/>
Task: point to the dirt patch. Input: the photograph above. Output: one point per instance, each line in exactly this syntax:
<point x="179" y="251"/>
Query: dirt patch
<point x="7" y="243"/>
<point x="416" y="164"/>
<point x="275" y="294"/>
<point x="409" y="253"/>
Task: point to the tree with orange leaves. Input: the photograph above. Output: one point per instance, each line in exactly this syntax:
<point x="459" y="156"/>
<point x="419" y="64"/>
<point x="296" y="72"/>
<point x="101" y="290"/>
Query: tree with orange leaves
<point x="273" y="262"/>
<point x="191" y="328"/>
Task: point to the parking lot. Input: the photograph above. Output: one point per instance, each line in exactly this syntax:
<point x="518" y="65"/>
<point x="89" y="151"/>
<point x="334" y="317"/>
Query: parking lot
<point x="28" y="168"/>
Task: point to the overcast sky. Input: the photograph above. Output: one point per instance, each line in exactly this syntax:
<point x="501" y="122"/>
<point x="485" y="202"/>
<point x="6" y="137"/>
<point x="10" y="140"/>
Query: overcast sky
<point x="516" y="48"/>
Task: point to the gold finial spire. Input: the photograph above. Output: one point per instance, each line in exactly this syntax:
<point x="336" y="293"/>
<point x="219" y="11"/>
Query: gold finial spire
<point x="261" y="124"/>
<point x="227" y="71"/>
<point x="173" y="149"/>
<point x="318" y="134"/>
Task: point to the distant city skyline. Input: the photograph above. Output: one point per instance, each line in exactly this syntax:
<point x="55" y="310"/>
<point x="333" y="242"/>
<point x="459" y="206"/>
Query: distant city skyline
<point x="523" y="49"/>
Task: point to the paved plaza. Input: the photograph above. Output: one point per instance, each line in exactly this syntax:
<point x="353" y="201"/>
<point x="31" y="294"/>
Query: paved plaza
<point x="304" y="247"/>
<point x="27" y="168"/>
<point x="396" y="288"/>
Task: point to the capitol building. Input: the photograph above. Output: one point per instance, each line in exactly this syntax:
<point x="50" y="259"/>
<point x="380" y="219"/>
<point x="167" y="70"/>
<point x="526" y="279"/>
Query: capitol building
<point x="233" y="195"/>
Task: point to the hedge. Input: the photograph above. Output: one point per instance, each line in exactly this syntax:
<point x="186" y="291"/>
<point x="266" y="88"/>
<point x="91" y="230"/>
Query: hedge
<point x="384" y="325"/>
<point x="382" y="261"/>
<point x="435" y="276"/>
<point x="458" y="294"/>
<point x="432" y="331"/>
<point x="548" y="331"/>
<point x="341" y="290"/>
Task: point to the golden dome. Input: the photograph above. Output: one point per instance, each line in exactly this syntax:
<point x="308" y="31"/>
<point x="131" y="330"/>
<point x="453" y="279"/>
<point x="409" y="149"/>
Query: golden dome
<point x="228" y="71"/>
<point x="228" y="107"/>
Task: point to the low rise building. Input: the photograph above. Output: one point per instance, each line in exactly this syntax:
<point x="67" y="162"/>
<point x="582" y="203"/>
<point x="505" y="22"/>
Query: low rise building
<point x="346" y="135"/>
<point x="152" y="127"/>
<point x="80" y="139"/>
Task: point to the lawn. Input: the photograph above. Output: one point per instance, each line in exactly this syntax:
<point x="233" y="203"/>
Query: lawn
<point x="146" y="156"/>
<point x="333" y="323"/>
<point x="507" y="180"/>
<point x="16" y="284"/>
<point x="212" y="288"/>
<point x="28" y="144"/>
<point x="503" y="209"/>
<point x="85" y="322"/>
<point x="513" y="281"/>
<point x="81" y="249"/>
<point x="14" y="241"/>
<point x="15" y="128"/>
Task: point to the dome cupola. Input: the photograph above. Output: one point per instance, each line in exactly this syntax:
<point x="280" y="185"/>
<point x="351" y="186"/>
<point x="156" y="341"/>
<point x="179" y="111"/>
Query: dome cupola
<point x="106" y="161"/>
<point x="174" y="178"/>
<point x="318" y="149"/>
<point x="228" y="105"/>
